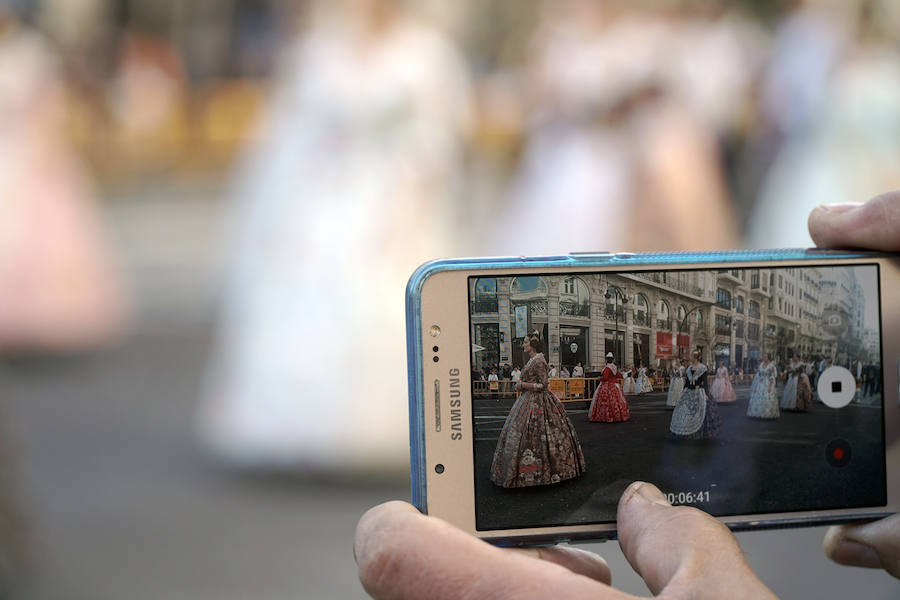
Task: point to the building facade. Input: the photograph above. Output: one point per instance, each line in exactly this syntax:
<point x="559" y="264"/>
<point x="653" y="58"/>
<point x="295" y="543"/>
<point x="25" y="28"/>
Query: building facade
<point x="735" y="316"/>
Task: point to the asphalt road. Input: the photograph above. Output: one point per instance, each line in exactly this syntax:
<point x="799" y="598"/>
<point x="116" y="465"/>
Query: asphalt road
<point x="754" y="466"/>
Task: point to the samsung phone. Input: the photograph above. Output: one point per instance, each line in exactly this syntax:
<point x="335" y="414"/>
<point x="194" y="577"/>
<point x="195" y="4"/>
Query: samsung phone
<point x="758" y="386"/>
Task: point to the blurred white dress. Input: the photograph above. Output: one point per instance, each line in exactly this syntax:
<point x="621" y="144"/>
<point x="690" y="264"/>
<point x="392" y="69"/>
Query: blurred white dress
<point x="349" y="189"/>
<point x="851" y="153"/>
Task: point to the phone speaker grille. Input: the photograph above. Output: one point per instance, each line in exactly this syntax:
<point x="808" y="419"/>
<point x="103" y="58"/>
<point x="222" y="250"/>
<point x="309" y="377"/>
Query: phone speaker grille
<point x="437" y="405"/>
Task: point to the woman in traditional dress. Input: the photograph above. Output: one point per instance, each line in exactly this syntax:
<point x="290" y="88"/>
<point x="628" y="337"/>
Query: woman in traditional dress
<point x="789" y="395"/>
<point x="676" y="386"/>
<point x="763" y="397"/>
<point x="609" y="405"/>
<point x="696" y="417"/>
<point x="721" y="390"/>
<point x="804" y="389"/>
<point x="538" y="444"/>
<point x="628" y="383"/>
<point x="644" y="386"/>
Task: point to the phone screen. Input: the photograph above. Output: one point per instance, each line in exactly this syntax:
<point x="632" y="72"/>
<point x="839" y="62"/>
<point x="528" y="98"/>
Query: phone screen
<point x="739" y="391"/>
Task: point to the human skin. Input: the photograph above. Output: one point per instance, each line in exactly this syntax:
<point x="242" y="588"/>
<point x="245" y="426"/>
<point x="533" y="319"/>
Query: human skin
<point x="874" y="225"/>
<point x="680" y="552"/>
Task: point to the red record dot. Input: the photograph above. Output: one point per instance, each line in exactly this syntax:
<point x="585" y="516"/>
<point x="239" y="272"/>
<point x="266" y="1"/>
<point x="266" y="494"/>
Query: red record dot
<point x="838" y="453"/>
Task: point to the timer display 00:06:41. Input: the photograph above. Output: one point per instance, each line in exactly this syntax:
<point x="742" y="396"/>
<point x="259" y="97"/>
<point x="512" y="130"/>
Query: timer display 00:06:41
<point x="687" y="497"/>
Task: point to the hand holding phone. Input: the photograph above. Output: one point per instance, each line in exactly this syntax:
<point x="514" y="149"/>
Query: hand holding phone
<point x="402" y="553"/>
<point x="874" y="225"/>
<point x="677" y="550"/>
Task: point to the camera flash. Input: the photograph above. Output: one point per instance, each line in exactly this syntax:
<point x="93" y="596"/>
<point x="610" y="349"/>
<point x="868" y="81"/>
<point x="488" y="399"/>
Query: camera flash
<point x="435" y="331"/>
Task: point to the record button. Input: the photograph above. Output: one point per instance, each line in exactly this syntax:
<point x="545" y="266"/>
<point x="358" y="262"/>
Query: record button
<point x="836" y="387"/>
<point x="838" y="453"/>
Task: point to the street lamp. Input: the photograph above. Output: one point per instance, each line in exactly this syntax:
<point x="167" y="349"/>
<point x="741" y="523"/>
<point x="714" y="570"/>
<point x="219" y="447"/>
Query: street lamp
<point x="618" y="293"/>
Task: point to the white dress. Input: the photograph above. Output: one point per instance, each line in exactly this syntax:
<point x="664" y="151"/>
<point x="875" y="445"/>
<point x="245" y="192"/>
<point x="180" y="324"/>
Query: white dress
<point x="643" y="383"/>
<point x="789" y="395"/>
<point x="337" y="204"/>
<point x="628" y="383"/>
<point x="763" y="397"/>
<point x="675" y="388"/>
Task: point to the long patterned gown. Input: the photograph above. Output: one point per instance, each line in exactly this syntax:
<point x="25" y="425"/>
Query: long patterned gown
<point x="763" y="397"/>
<point x="538" y="444"/>
<point x="804" y="390"/>
<point x="696" y="416"/>
<point x="675" y="387"/>
<point x="643" y="382"/>
<point x="609" y="405"/>
<point x="721" y="390"/>
<point x="789" y="394"/>
<point x="628" y="383"/>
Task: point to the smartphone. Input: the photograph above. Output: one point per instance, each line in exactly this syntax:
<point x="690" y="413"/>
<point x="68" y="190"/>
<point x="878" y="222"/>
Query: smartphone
<point x="758" y="386"/>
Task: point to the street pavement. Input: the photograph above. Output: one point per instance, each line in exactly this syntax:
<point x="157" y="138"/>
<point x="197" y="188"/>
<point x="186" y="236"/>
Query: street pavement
<point x="753" y="466"/>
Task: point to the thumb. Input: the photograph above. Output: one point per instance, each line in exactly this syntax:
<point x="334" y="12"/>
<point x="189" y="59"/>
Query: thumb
<point x="682" y="550"/>
<point x="874" y="225"/>
<point x="875" y="545"/>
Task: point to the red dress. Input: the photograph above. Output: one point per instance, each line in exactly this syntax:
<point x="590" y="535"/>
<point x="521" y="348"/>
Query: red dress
<point x="609" y="403"/>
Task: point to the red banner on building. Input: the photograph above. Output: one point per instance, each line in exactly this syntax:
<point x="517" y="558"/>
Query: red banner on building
<point x="684" y="341"/>
<point x="664" y="345"/>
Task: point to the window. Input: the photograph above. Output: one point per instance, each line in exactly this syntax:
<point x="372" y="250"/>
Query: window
<point x="739" y="304"/>
<point x="663" y="320"/>
<point x="615" y="308"/>
<point x="723" y="325"/>
<point x="569" y="285"/>
<point x="753" y="309"/>
<point x="753" y="331"/>
<point x="754" y="281"/>
<point x="723" y="298"/>
<point x="641" y="311"/>
<point x="484" y="298"/>
<point x="739" y="329"/>
<point x="780" y="282"/>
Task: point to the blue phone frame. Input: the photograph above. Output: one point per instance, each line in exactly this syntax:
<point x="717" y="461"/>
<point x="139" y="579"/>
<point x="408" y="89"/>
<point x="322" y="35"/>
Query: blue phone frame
<point x="575" y="260"/>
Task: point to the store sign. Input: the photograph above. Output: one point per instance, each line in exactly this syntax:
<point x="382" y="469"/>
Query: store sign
<point x="684" y="340"/>
<point x="664" y="345"/>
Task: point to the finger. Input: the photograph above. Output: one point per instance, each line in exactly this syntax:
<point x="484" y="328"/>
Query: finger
<point x="682" y="550"/>
<point x="874" y="225"/>
<point x="875" y="545"/>
<point x="576" y="560"/>
<point x="404" y="554"/>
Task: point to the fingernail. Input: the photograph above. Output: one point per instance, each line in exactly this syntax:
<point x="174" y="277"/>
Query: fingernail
<point x="648" y="492"/>
<point x="840" y="207"/>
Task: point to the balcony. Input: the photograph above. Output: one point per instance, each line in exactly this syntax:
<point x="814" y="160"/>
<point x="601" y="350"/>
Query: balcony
<point x="670" y="283"/>
<point x="574" y="309"/>
<point x="723" y="330"/>
<point x="762" y="289"/>
<point x="484" y="305"/>
<point x="733" y="275"/>
<point x="642" y="319"/>
<point x="612" y="314"/>
<point x="664" y="324"/>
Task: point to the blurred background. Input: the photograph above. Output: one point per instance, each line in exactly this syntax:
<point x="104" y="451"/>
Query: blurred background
<point x="209" y="210"/>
